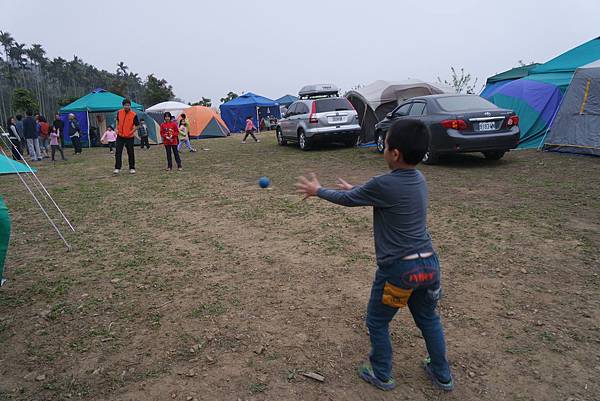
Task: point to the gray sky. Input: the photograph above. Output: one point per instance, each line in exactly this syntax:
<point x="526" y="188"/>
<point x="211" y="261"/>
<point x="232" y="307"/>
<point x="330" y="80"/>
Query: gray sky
<point x="274" y="47"/>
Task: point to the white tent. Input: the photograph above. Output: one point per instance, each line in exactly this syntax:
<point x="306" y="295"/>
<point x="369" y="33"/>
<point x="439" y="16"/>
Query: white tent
<point x="374" y="101"/>
<point x="175" y="108"/>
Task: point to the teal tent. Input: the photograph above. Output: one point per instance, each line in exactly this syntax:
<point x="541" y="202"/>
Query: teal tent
<point x="537" y="97"/>
<point x="9" y="166"/>
<point x="89" y="111"/>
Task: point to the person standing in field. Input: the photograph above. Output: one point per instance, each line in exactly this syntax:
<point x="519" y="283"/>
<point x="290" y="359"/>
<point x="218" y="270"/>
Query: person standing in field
<point x="44" y="128"/>
<point x="60" y="128"/>
<point x="55" y="144"/>
<point x="14" y="137"/>
<point x="143" y="134"/>
<point x="408" y="269"/>
<point x="74" y="133"/>
<point x="127" y="125"/>
<point x="184" y="135"/>
<point x="31" y="134"/>
<point x="170" y="133"/>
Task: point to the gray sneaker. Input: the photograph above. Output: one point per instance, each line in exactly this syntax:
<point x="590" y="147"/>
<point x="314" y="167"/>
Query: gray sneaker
<point x="446" y="386"/>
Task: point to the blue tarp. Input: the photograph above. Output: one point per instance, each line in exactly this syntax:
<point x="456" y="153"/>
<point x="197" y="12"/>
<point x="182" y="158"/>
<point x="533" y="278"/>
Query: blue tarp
<point x="235" y="112"/>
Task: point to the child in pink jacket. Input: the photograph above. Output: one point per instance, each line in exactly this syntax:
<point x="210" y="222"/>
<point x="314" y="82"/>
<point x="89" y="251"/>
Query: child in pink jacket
<point x="55" y="144"/>
<point x="109" y="137"/>
<point x="250" y="128"/>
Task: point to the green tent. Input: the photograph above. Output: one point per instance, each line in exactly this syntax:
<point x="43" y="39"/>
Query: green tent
<point x="98" y="101"/>
<point x="512" y="74"/>
<point x="7" y="166"/>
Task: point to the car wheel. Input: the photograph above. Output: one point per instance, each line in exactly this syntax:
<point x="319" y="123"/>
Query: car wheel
<point x="430" y="158"/>
<point x="494" y="155"/>
<point x="303" y="141"/>
<point x="280" y="140"/>
<point x="380" y="141"/>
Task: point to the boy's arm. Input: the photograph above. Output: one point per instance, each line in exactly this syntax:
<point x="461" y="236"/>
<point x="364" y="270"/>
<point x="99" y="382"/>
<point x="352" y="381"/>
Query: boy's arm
<point x="368" y="194"/>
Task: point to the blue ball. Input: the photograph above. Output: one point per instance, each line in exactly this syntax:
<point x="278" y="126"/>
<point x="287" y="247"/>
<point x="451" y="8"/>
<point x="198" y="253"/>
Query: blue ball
<point x="264" y="182"/>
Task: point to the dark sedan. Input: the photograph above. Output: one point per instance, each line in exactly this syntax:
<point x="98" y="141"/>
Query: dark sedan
<point x="458" y="124"/>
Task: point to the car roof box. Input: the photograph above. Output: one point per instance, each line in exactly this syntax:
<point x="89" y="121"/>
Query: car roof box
<point x="318" y="90"/>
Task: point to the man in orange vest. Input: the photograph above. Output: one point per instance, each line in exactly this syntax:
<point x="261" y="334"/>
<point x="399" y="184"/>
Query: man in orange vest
<point x="126" y="127"/>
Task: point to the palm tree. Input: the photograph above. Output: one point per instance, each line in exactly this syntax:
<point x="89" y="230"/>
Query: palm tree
<point x="37" y="54"/>
<point x="6" y="40"/>
<point x="122" y="69"/>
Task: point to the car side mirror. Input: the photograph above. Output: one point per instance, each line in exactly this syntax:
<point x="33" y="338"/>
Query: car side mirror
<point x="389" y="115"/>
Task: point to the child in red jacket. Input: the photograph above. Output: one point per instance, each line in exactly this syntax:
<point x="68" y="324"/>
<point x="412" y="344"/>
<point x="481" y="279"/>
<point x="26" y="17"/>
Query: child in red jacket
<point x="169" y="133"/>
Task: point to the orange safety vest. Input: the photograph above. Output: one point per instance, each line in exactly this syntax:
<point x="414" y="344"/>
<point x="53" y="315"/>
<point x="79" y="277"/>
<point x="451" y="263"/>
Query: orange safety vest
<point x="125" y="123"/>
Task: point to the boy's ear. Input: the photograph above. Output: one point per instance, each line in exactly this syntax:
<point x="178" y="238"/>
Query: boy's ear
<point x="398" y="155"/>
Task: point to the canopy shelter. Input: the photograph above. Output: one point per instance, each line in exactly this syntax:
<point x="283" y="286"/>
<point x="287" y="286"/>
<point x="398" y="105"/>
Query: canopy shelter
<point x="205" y="122"/>
<point x="374" y="101"/>
<point x="89" y="111"/>
<point x="152" y="126"/>
<point x="235" y="112"/>
<point x="576" y="128"/>
<point x="286" y="100"/>
<point x="173" y="107"/>
<point x="536" y="98"/>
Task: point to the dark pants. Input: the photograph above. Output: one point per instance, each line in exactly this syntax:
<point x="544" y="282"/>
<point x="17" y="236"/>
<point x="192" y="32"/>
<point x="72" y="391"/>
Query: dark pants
<point x="144" y="142"/>
<point x="128" y="143"/>
<point x="76" y="143"/>
<point x="249" y="132"/>
<point x="111" y="145"/>
<point x="169" y="149"/>
<point x="422" y="277"/>
<point x="54" y="149"/>
<point x="16" y="153"/>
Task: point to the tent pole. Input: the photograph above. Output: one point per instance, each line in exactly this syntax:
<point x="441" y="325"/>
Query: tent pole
<point x="89" y="136"/>
<point x="38" y="180"/>
<point x="38" y="203"/>
<point x="257" y="120"/>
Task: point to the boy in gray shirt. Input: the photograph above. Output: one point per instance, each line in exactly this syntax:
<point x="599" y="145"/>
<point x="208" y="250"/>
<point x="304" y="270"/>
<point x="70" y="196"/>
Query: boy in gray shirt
<point x="408" y="269"/>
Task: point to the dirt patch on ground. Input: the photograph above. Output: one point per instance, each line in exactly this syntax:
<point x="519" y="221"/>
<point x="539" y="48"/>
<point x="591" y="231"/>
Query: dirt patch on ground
<point x="200" y="284"/>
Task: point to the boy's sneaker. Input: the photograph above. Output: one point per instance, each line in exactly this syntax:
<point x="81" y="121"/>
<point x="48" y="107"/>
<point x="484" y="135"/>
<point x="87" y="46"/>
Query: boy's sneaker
<point x="132" y="171"/>
<point x="365" y="371"/>
<point x="117" y="171"/>
<point x="258" y="140"/>
<point x="243" y="141"/>
<point x="446" y="386"/>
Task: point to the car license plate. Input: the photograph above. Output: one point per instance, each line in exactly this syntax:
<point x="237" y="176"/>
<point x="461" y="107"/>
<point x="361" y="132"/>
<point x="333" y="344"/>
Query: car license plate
<point x="487" y="126"/>
<point x="336" y="119"/>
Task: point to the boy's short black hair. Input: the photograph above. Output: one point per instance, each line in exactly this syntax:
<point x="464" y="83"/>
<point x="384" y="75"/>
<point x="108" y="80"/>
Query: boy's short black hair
<point x="411" y="138"/>
<point x="126" y="101"/>
<point x="29" y="113"/>
<point x="19" y="117"/>
<point x="182" y="115"/>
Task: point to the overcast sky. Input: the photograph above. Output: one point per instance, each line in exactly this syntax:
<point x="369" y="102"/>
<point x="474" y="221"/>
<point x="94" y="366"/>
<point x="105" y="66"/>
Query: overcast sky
<point x="274" y="47"/>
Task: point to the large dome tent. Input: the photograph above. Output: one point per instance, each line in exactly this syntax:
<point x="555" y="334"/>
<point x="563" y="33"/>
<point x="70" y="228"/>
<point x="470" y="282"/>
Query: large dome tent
<point x="374" y="101"/>
<point x="205" y="122"/>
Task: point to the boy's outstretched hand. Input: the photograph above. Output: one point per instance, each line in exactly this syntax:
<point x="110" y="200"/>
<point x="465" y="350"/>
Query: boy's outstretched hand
<point x="308" y="187"/>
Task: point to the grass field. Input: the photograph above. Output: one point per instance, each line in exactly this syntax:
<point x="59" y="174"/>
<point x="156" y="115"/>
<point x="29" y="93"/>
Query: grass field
<point x="200" y="285"/>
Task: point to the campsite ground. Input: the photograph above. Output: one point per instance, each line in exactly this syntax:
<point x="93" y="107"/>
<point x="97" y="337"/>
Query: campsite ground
<point x="200" y="285"/>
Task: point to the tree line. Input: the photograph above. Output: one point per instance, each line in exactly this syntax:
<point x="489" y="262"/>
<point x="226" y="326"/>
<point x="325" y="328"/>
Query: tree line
<point x="31" y="80"/>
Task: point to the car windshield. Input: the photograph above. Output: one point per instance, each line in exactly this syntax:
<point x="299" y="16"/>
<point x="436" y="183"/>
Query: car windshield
<point x="333" y="104"/>
<point x="462" y="103"/>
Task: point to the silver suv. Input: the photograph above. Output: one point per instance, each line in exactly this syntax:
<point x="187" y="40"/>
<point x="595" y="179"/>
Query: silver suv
<point x="319" y="116"/>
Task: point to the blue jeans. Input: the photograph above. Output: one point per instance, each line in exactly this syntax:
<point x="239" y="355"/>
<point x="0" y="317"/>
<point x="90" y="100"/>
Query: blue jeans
<point x="422" y="276"/>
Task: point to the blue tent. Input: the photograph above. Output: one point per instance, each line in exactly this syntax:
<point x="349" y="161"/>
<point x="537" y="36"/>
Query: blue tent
<point x="286" y="100"/>
<point x="235" y="112"/>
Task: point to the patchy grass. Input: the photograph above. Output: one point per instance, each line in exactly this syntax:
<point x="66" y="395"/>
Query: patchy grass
<point x="199" y="282"/>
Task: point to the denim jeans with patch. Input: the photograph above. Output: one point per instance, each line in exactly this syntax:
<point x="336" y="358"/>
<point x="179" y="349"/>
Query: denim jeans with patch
<point x="422" y="276"/>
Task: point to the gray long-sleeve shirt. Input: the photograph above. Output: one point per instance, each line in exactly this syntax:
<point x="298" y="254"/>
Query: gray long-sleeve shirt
<point x="399" y="201"/>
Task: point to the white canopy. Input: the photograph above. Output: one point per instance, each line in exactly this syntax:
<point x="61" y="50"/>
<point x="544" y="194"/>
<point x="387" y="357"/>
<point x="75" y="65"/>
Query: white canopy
<point x="175" y="108"/>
